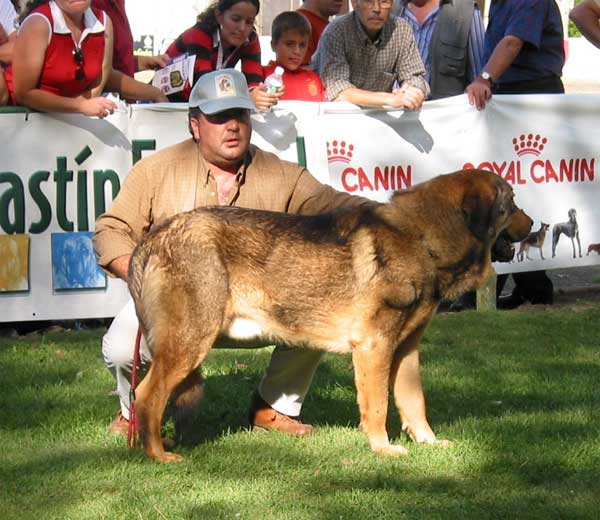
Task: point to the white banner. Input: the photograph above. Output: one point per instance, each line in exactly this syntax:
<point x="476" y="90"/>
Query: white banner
<point x="58" y="172"/>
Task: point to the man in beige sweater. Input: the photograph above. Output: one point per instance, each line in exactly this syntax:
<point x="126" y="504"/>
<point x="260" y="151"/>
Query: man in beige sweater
<point x="218" y="166"/>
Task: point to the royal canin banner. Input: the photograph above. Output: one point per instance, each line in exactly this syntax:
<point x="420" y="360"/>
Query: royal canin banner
<point x="58" y="172"/>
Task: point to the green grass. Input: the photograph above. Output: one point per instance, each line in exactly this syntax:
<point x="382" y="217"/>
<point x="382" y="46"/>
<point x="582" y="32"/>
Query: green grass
<point x="517" y="392"/>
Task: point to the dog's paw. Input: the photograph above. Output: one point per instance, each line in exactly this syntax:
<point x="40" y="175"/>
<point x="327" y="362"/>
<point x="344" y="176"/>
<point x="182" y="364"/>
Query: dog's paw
<point x="167" y="457"/>
<point x="390" y="450"/>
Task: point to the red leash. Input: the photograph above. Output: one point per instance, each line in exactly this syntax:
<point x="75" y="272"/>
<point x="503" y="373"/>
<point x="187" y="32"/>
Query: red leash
<point x="132" y="431"/>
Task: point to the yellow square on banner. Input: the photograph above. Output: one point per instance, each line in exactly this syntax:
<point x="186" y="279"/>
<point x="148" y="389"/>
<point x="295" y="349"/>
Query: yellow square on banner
<point x="14" y="263"/>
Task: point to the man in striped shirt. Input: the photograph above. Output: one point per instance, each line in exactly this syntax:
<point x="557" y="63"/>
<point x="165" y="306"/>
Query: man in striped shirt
<point x="450" y="38"/>
<point x="363" y="55"/>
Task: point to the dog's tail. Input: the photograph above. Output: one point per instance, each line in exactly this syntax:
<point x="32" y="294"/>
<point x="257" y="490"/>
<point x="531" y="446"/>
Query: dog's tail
<point x="137" y="267"/>
<point x="145" y="283"/>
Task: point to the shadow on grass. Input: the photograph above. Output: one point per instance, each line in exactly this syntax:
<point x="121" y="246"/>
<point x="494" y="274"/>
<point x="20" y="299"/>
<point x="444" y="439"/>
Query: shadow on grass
<point x="50" y="388"/>
<point x="529" y="414"/>
<point x="55" y="484"/>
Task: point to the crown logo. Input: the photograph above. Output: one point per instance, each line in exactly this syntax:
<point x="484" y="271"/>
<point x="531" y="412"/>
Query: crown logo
<point x="339" y="151"/>
<point x="529" y="144"/>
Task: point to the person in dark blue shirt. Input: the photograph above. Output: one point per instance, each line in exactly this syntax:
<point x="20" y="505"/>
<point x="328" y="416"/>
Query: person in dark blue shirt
<point x="524" y="49"/>
<point x="525" y="55"/>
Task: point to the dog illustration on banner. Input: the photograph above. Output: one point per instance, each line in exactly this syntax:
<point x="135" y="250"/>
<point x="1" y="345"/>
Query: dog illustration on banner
<point x="593" y="247"/>
<point x="74" y="264"/>
<point x="534" y="239"/>
<point x="570" y="229"/>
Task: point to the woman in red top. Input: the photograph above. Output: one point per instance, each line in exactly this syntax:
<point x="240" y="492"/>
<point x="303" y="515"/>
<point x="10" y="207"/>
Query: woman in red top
<point x="223" y="35"/>
<point x="62" y="58"/>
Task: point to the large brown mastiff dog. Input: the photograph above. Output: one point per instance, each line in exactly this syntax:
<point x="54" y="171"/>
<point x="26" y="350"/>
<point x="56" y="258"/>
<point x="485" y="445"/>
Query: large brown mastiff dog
<point x="363" y="281"/>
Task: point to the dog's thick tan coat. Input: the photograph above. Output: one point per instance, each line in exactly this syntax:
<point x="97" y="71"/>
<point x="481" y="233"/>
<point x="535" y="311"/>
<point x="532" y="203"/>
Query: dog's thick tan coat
<point x="364" y="281"/>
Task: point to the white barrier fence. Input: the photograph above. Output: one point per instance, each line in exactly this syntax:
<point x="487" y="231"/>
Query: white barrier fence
<point x="58" y="172"/>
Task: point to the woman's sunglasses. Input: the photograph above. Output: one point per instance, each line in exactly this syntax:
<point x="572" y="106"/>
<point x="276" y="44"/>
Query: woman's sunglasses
<point x="78" y="56"/>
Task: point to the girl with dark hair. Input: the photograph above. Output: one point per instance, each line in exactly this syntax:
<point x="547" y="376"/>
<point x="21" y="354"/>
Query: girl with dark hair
<point x="62" y="58"/>
<point x="223" y="35"/>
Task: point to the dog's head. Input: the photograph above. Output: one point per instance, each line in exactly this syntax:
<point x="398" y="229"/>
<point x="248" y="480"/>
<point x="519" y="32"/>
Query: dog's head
<point x="572" y="214"/>
<point x="545" y="226"/>
<point x="492" y="215"/>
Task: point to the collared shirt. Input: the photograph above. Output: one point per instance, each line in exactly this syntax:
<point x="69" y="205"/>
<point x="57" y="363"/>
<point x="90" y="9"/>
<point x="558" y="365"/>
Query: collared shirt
<point x="202" y="42"/>
<point x="123" y="59"/>
<point x="59" y="70"/>
<point x="8" y="16"/>
<point x="538" y="24"/>
<point x="347" y="58"/>
<point x="178" y="179"/>
<point x="423" y="37"/>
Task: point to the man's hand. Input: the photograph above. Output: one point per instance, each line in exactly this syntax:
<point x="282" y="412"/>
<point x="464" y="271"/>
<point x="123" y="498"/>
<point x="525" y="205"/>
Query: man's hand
<point x="152" y="62"/>
<point x="159" y="96"/>
<point x="479" y="91"/>
<point x="409" y="97"/>
<point x="120" y="267"/>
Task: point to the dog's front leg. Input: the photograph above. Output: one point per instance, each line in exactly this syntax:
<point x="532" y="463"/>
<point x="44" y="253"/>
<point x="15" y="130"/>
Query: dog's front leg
<point x="408" y="391"/>
<point x="371" y="373"/>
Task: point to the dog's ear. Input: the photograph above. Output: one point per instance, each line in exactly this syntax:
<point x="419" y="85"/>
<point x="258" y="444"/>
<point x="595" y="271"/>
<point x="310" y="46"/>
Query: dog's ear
<point x="477" y="208"/>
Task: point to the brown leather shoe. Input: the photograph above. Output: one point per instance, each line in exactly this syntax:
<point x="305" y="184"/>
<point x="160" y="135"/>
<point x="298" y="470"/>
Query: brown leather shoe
<point x="119" y="426"/>
<point x="265" y="418"/>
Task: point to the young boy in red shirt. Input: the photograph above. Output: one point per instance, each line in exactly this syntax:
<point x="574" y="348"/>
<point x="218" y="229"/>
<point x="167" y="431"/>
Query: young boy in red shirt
<point x="289" y="40"/>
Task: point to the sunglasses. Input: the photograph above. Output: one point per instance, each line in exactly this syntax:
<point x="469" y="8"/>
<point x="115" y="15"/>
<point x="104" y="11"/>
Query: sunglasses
<point x="78" y="57"/>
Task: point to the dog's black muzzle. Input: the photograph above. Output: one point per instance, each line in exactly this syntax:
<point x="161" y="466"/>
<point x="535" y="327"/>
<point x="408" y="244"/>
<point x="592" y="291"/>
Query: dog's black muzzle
<point x="503" y="250"/>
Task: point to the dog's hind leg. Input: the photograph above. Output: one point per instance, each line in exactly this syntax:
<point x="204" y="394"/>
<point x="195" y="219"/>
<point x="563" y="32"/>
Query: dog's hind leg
<point x="555" y="237"/>
<point x="408" y="391"/>
<point x="175" y="359"/>
<point x="371" y="372"/>
<point x="181" y="310"/>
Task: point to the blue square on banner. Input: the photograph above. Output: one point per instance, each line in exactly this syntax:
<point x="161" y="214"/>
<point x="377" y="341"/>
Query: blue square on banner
<point x="74" y="264"/>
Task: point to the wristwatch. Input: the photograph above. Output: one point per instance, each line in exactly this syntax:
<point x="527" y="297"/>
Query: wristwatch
<point x="486" y="76"/>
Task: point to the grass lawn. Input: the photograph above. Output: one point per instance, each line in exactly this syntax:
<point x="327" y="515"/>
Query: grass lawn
<point x="518" y="392"/>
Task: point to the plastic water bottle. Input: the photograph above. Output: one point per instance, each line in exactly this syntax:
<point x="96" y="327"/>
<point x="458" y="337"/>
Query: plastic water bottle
<point x="274" y="81"/>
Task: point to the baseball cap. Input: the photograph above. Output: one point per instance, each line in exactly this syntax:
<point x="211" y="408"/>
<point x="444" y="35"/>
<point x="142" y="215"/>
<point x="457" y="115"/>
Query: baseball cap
<point x="220" y="90"/>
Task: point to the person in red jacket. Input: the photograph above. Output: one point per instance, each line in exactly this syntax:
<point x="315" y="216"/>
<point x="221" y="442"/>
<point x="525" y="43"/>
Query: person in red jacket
<point x="318" y="13"/>
<point x="223" y="35"/>
<point x="290" y="35"/>
<point x="124" y="63"/>
<point x="123" y="58"/>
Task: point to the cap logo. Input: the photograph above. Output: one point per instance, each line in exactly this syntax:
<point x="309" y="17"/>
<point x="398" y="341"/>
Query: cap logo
<point x="225" y="86"/>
